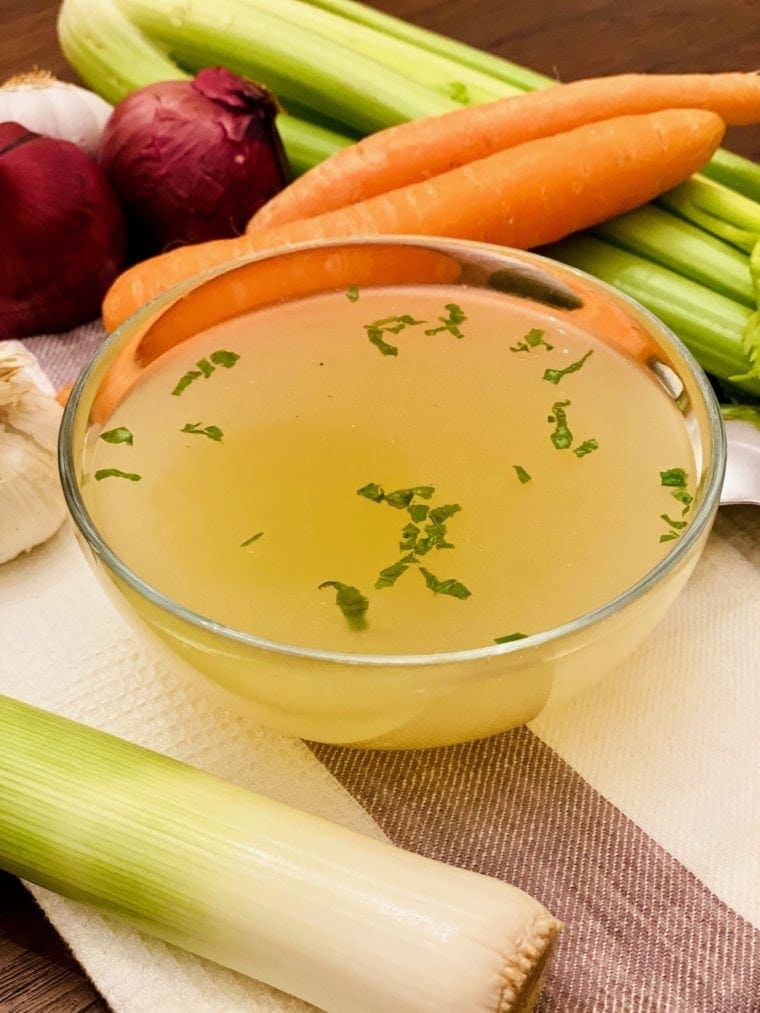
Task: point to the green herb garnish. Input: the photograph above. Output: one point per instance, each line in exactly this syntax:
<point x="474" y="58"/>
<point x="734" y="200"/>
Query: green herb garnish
<point x="555" y="375"/>
<point x="224" y="358"/>
<point x="452" y="587"/>
<point x="562" y="438"/>
<point x="410" y="533"/>
<point x="352" y="293"/>
<point x="401" y="498"/>
<point x="388" y="325"/>
<point x="204" y="368"/>
<point x="391" y="574"/>
<point x="418" y="511"/>
<point x="509" y="637"/>
<point x="674" y="477"/>
<point x="351" y="602"/>
<point x="212" y="432"/>
<point x="522" y="474"/>
<point x="116" y="473"/>
<point x="587" y="447"/>
<point x="531" y="340"/>
<point x="451" y="322"/>
<point x="371" y="491"/>
<point x="118" y="435"/>
<point x="678" y="525"/>
<point x="253" y="538"/>
<point x="442" y="513"/>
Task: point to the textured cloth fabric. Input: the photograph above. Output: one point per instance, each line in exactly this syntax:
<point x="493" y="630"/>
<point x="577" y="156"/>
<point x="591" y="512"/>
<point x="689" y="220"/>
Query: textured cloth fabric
<point x="633" y="812"/>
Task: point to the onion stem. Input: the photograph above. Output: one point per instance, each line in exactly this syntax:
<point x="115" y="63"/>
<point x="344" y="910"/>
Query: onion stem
<point x="342" y="920"/>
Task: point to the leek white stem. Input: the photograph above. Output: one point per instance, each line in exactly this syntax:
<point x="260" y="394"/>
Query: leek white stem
<point x="343" y="921"/>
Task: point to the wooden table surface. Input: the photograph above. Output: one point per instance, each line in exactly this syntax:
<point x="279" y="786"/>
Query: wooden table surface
<point x="564" y="38"/>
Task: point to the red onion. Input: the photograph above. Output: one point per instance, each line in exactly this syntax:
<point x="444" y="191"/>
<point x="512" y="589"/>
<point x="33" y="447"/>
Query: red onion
<point x="193" y="160"/>
<point x="62" y="234"/>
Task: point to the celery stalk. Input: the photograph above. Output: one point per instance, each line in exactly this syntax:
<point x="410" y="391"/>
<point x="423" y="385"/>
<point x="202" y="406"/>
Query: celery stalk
<point x="297" y="65"/>
<point x="659" y="236"/>
<point x="709" y="324"/>
<point x="114" y="58"/>
<point x="718" y="209"/>
<point x="341" y="920"/>
<point x="733" y="170"/>
<point x="520" y="78"/>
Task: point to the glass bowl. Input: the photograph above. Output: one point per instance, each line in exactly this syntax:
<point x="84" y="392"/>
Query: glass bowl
<point x="397" y="701"/>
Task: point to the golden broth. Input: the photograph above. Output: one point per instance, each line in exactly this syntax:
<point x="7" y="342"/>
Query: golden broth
<point x="554" y="518"/>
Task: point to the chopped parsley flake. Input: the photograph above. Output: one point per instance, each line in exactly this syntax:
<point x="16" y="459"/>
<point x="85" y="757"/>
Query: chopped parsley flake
<point x="253" y="538"/>
<point x="674" y="477"/>
<point x="532" y="340"/>
<point x="102" y="473"/>
<point x="522" y="474"/>
<point x="352" y="293"/>
<point x="391" y="574"/>
<point x="669" y="536"/>
<point x="212" y="432"/>
<point x="118" y="435"/>
<point x="509" y="637"/>
<point x="388" y="325"/>
<point x="204" y="368"/>
<point x="351" y="602"/>
<point x="678" y="525"/>
<point x="555" y="375"/>
<point x="451" y="322"/>
<point x="587" y="447"/>
<point x="562" y="438"/>
<point x="452" y="587"/>
<point x="418" y="511"/>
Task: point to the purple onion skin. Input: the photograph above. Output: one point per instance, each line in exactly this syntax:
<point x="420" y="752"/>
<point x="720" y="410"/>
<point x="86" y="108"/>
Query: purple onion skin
<point x="193" y="160"/>
<point x="63" y="235"/>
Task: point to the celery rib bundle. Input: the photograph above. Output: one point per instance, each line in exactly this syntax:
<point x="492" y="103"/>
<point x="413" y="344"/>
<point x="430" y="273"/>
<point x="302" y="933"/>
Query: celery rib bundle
<point x="343" y="69"/>
<point x="337" y="918"/>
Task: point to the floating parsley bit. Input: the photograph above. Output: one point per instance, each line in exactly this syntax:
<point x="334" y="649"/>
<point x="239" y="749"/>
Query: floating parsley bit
<point x="532" y="340"/>
<point x="418" y="511"/>
<point x="684" y="498"/>
<point x="102" y="473"/>
<point x="401" y="498"/>
<point x="442" y="513"/>
<point x="451" y="322"/>
<point x="452" y="587"/>
<point x="351" y="602"/>
<point x="204" y="368"/>
<point x="555" y="375"/>
<point x="352" y="293"/>
<point x="410" y="533"/>
<point x="522" y="474"/>
<point x="253" y="538"/>
<point x="674" y="477"/>
<point x="391" y="574"/>
<point x="509" y="637"/>
<point x="389" y="325"/>
<point x="678" y="525"/>
<point x="372" y="491"/>
<point x="212" y="432"/>
<point x="669" y="536"/>
<point x="587" y="447"/>
<point x="562" y="438"/>
<point x="118" y="435"/>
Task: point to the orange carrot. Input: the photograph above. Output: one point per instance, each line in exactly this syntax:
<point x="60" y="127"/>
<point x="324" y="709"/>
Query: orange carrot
<point x="525" y="196"/>
<point x="414" y="151"/>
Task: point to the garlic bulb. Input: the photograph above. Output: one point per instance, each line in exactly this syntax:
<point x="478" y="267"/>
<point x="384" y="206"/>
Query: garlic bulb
<point x="54" y="108"/>
<point x="31" y="502"/>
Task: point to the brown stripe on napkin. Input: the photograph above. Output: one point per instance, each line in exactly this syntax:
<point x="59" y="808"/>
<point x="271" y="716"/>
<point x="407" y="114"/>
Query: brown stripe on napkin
<point x="641" y="932"/>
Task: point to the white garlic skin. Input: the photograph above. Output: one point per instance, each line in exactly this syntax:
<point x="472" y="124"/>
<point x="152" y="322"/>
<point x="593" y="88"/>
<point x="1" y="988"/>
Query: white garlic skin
<point x="55" y="109"/>
<point x="32" y="507"/>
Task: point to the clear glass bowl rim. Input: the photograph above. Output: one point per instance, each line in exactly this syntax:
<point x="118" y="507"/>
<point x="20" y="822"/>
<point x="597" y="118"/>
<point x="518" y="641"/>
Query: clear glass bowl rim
<point x="712" y="482"/>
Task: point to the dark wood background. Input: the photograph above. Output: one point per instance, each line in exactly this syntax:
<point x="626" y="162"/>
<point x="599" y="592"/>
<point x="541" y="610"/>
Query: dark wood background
<point x="564" y="38"/>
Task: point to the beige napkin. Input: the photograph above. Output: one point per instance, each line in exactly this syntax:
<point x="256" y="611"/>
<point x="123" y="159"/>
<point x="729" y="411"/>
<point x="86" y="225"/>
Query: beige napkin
<point x="65" y="648"/>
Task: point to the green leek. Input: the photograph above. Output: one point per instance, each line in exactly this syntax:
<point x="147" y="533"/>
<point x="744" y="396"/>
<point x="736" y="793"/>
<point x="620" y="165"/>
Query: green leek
<point x="659" y="236"/>
<point x="342" y="920"/>
<point x="718" y="209"/>
<point x="710" y="325"/>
